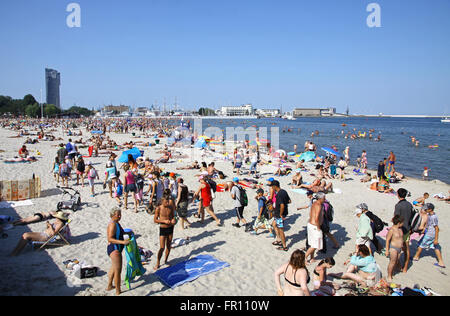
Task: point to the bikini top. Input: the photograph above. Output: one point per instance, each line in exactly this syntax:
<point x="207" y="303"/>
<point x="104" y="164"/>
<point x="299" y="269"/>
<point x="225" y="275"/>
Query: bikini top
<point x="295" y="282"/>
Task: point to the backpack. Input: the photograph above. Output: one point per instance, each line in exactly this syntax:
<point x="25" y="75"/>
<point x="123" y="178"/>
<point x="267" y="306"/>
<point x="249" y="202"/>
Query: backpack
<point x="328" y="211"/>
<point x="63" y="168"/>
<point x="415" y="222"/>
<point x="92" y="173"/>
<point x="212" y="184"/>
<point x="264" y="212"/>
<point x="244" y="197"/>
<point x="140" y="182"/>
<point x="377" y="222"/>
<point x="69" y="147"/>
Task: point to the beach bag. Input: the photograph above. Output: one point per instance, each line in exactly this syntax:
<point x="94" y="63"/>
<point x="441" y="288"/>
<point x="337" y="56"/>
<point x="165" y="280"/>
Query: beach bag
<point x="377" y="222"/>
<point x="63" y="169"/>
<point x="416" y="221"/>
<point x="244" y="197"/>
<point x="328" y="211"/>
<point x="140" y="182"/>
<point x="119" y="190"/>
<point x="69" y="147"/>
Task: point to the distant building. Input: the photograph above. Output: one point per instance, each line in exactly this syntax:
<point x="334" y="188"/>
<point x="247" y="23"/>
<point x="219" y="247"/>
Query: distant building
<point x="116" y="109"/>
<point x="52" y="84"/>
<point x="243" y="110"/>
<point x="299" y="112"/>
<point x="268" y="112"/>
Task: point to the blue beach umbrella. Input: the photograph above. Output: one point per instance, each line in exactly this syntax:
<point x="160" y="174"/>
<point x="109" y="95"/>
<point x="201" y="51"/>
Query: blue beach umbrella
<point x="331" y="151"/>
<point x="135" y="152"/>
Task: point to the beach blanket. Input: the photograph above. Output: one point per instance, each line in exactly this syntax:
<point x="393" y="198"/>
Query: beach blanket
<point x="384" y="232"/>
<point x="300" y="191"/>
<point x="190" y="270"/>
<point x="134" y="264"/>
<point x="5" y="204"/>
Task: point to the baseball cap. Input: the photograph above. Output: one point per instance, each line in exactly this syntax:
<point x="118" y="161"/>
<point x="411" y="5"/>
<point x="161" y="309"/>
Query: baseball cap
<point x="428" y="206"/>
<point x="270" y="180"/>
<point x="275" y="183"/>
<point x="235" y="179"/>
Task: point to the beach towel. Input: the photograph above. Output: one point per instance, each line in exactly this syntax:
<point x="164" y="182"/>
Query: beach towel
<point x="90" y="150"/>
<point x="134" y="264"/>
<point x="179" y="242"/>
<point x="5" y="204"/>
<point x="384" y="232"/>
<point x="300" y="191"/>
<point x="190" y="270"/>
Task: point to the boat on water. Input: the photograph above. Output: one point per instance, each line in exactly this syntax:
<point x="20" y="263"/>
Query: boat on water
<point x="445" y="120"/>
<point x="289" y="117"/>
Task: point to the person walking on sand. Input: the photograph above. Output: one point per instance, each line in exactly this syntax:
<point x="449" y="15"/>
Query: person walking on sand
<point x="205" y="196"/>
<point x="165" y="217"/>
<point x="182" y="202"/>
<point x="364" y="235"/>
<point x="116" y="245"/>
<point x="280" y="212"/>
<point x="394" y="244"/>
<point x="315" y="235"/>
<point x="91" y="174"/>
<point x="406" y="211"/>
<point x="430" y="239"/>
<point x="130" y="186"/>
<point x="237" y="196"/>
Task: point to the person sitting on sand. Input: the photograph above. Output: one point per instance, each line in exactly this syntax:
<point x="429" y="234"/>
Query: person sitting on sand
<point x="362" y="267"/>
<point x="421" y="201"/>
<point x="295" y="274"/>
<point x="315" y="186"/>
<point x="367" y="178"/>
<point x="165" y="158"/>
<point x="297" y="180"/>
<point x="60" y="220"/>
<point x="23" y="152"/>
<point x="194" y="165"/>
<point x="320" y="277"/>
<point x="383" y="186"/>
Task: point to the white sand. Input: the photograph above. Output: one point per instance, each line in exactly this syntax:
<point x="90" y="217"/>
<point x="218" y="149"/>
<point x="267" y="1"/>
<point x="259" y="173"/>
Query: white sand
<point x="252" y="259"/>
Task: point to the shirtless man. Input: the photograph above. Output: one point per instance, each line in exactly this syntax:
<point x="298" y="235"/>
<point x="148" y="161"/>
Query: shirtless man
<point x="297" y="179"/>
<point x="315" y="186"/>
<point x="394" y="244"/>
<point x="391" y="160"/>
<point x="165" y="217"/>
<point x="315" y="235"/>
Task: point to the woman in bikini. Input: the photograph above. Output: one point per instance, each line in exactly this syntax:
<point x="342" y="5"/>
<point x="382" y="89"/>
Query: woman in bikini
<point x="394" y="244"/>
<point x="36" y="218"/>
<point x="320" y="277"/>
<point x="295" y="274"/>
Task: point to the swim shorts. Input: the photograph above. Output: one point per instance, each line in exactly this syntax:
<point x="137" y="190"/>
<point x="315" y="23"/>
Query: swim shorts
<point x="427" y="242"/>
<point x="279" y="222"/>
<point x="166" y="231"/>
<point x="315" y="237"/>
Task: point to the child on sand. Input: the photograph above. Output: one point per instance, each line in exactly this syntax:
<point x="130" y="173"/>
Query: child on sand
<point x="262" y="219"/>
<point x="92" y="174"/>
<point x="430" y="239"/>
<point x="64" y="173"/>
<point x="425" y="174"/>
<point x="394" y="244"/>
<point x="118" y="191"/>
<point x="421" y="201"/>
<point x="55" y="169"/>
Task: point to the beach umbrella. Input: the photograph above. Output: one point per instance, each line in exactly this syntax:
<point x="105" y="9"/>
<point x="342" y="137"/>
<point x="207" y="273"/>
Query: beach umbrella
<point x="331" y="151"/>
<point x="201" y="143"/>
<point x="307" y="156"/>
<point x="135" y="152"/>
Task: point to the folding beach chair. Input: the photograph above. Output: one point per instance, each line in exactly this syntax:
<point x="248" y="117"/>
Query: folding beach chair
<point x="60" y="238"/>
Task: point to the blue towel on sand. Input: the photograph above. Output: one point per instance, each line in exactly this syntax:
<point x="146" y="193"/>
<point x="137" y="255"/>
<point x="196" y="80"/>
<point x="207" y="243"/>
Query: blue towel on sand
<point x="190" y="270"/>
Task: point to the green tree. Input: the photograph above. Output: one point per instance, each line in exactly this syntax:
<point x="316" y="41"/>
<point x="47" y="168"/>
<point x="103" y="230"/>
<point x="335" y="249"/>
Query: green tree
<point x="51" y="110"/>
<point x="33" y="110"/>
<point x="29" y="99"/>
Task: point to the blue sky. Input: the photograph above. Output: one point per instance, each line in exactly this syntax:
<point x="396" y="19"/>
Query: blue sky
<point x="289" y="53"/>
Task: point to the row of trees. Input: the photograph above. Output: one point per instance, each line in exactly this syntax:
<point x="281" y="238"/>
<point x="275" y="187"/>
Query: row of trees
<point x="30" y="107"/>
<point x="206" y="112"/>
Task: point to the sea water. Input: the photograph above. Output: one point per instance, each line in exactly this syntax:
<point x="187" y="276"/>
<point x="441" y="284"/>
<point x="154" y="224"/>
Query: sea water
<point x="395" y="136"/>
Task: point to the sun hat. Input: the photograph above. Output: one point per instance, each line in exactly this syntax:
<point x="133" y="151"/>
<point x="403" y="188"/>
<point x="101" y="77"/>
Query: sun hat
<point x="362" y="206"/>
<point x="357" y="211"/>
<point x="61" y="215"/>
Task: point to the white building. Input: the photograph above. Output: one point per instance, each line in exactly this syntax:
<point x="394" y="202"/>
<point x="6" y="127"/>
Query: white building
<point x="243" y="110"/>
<point x="268" y="112"/>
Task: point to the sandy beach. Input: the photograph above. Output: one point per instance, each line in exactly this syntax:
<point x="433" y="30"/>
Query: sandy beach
<point x="252" y="259"/>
